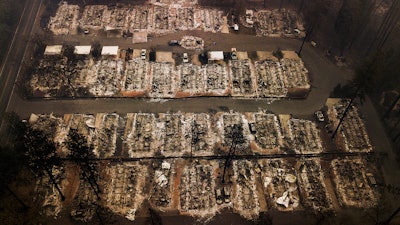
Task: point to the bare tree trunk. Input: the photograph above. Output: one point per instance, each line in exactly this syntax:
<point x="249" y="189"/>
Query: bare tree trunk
<point x="55" y="184"/>
<point x="384" y="27"/>
<point x="394" y="17"/>
<point x="301" y="5"/>
<point x="230" y="153"/>
<point x="96" y="191"/>
<point x="308" y="33"/>
<point x="362" y="27"/>
<point x="16" y="197"/>
<point x="391" y="216"/>
<point x="98" y="214"/>
<point x="345" y="113"/>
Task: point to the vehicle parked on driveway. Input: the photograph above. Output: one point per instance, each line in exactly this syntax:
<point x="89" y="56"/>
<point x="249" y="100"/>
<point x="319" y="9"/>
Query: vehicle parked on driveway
<point x="320" y="116"/>
<point x="185" y="58"/>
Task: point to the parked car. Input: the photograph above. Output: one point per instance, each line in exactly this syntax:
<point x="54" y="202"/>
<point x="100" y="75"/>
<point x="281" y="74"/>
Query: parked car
<point x="233" y="54"/>
<point x="185" y="58"/>
<point x="371" y="180"/>
<point x="320" y="116"/>
<point x="218" y="196"/>
<point x="227" y="194"/>
<point x="143" y="54"/>
<point x="173" y="43"/>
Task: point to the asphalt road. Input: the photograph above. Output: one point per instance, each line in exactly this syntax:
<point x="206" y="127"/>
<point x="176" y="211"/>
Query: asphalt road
<point x="16" y="52"/>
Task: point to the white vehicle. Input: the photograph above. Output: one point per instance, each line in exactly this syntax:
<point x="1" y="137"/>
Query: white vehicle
<point x="313" y="43"/>
<point x="185" y="58"/>
<point x="249" y="17"/>
<point x="320" y="116"/>
<point x="143" y="54"/>
<point x="218" y="196"/>
<point x="233" y="54"/>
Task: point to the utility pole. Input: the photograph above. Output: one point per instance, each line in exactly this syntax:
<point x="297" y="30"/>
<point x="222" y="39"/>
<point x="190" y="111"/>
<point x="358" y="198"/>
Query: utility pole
<point x="308" y="33"/>
<point x="236" y="138"/>
<point x="391" y="216"/>
<point x="345" y="113"/>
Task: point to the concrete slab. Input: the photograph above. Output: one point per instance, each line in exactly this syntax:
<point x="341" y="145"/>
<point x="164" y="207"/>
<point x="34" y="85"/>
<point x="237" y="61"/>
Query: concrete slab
<point x="265" y="55"/>
<point x="164" y="57"/>
<point x="139" y="37"/>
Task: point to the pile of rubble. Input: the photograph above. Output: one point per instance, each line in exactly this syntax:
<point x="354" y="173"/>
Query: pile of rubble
<point x="178" y="134"/>
<point x="312" y="185"/>
<point x="278" y="22"/>
<point x="47" y="194"/>
<point x="48" y="124"/>
<point x="174" y="2"/>
<point x="197" y="190"/>
<point x="182" y="18"/>
<point x="114" y="77"/>
<point x="352" y="131"/>
<point x="166" y="17"/>
<point x="93" y="17"/>
<point x="106" y="77"/>
<point x="243" y="78"/>
<point x="173" y="128"/>
<point x="139" y="18"/>
<point x="280" y="184"/>
<point x="295" y="73"/>
<point x="217" y="79"/>
<point x="192" y="43"/>
<point x="66" y="20"/>
<point x="99" y="130"/>
<point x="153" y="18"/>
<point x="58" y="77"/>
<point x="270" y="79"/>
<point x="246" y="196"/>
<point x="304" y="136"/>
<point x="210" y="20"/>
<point x="124" y="192"/>
<point x="191" y="186"/>
<point x="106" y="135"/>
<point x="140" y="135"/>
<point x="84" y="205"/>
<point x="192" y="80"/>
<point x="233" y="130"/>
<point x="352" y="184"/>
<point x="117" y="19"/>
<point x="135" y="81"/>
<point x="160" y="21"/>
<point x="266" y="131"/>
<point x="163" y="80"/>
<point x="162" y="184"/>
<point x="85" y="124"/>
<point x="201" y="137"/>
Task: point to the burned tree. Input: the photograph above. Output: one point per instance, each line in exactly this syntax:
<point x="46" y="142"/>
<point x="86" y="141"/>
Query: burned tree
<point x="41" y="155"/>
<point x="82" y="154"/>
<point x="362" y="85"/>
<point x="237" y="138"/>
